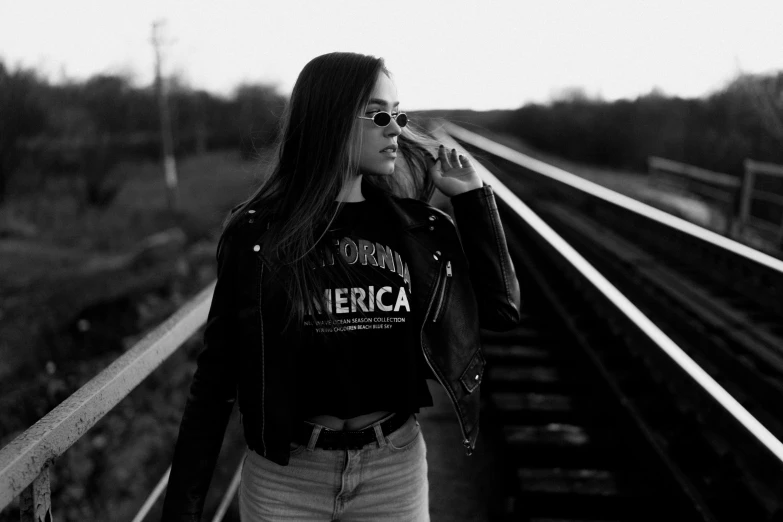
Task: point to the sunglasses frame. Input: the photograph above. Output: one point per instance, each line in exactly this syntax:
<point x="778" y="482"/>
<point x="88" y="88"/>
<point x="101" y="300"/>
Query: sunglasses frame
<point x="390" y="118"/>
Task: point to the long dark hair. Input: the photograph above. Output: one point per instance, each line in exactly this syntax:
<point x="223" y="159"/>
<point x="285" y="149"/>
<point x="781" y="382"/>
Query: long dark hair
<point x="316" y="154"/>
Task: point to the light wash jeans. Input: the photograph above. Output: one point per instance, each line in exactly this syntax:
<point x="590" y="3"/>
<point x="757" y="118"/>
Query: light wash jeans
<point x="384" y="480"/>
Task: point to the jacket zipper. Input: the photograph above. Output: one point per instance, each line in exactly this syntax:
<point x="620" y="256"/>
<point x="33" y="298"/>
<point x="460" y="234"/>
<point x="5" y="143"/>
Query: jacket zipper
<point x="442" y="295"/>
<point x="465" y="441"/>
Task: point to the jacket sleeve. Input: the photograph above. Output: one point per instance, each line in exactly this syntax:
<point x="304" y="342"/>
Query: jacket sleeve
<point x="491" y="269"/>
<point x="210" y="401"/>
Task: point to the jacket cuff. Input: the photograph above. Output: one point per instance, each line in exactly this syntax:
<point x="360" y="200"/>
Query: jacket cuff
<point x="472" y="196"/>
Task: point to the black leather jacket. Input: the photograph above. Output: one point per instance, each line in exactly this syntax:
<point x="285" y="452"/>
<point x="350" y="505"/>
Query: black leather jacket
<point x="469" y="280"/>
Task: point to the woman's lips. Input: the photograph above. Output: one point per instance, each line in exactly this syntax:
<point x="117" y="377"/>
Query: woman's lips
<point x="389" y="154"/>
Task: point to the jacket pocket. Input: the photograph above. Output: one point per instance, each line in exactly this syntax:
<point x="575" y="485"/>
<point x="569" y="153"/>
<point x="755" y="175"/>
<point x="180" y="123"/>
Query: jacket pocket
<point x="471" y="377"/>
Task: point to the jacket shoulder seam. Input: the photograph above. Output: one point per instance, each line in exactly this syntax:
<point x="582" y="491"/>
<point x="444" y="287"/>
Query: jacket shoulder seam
<point x="423" y="205"/>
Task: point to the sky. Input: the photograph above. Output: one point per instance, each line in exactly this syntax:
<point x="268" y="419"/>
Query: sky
<point x="458" y="54"/>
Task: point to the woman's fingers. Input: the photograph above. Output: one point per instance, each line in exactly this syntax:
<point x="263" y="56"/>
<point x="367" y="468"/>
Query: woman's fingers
<point x="455" y="158"/>
<point x="451" y="159"/>
<point x="444" y="159"/>
<point x="455" y="176"/>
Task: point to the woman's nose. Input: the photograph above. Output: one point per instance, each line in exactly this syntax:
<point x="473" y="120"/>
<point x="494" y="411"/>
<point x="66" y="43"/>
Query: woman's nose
<point x="392" y="129"/>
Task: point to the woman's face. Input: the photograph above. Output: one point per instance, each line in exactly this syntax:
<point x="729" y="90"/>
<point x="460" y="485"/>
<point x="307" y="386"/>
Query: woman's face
<point x="375" y="139"/>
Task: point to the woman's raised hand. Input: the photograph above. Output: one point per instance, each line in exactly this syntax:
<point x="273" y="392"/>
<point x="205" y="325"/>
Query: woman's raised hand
<point x="453" y="173"/>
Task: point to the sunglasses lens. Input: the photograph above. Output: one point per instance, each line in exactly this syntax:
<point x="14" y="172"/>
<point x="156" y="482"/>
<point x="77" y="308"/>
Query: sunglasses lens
<point x="382" y="119"/>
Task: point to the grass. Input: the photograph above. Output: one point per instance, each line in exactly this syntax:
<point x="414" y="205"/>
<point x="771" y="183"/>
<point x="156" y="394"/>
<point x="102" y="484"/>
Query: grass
<point x="39" y="274"/>
<point x="208" y="186"/>
<point x="70" y="236"/>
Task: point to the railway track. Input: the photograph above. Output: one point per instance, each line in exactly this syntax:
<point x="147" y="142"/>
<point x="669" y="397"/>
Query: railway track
<point x="603" y="416"/>
<point x="718" y="330"/>
<point x="569" y="424"/>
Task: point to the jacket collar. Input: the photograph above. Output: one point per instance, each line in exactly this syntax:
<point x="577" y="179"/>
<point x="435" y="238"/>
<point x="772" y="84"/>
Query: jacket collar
<point x="408" y="213"/>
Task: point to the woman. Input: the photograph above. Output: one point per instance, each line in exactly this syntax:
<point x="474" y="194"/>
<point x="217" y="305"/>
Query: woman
<point x="339" y="292"/>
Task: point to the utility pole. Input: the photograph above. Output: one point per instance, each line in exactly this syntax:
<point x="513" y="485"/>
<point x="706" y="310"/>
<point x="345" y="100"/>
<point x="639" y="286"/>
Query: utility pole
<point x="161" y="88"/>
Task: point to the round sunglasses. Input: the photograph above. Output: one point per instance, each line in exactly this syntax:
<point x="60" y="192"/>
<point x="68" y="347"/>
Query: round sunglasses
<point x="383" y="118"/>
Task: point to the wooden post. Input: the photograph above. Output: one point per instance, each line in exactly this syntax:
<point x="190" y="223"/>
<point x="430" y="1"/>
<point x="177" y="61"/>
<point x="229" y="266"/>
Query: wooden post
<point x="161" y="87"/>
<point x="35" y="502"/>
<point x="744" y="204"/>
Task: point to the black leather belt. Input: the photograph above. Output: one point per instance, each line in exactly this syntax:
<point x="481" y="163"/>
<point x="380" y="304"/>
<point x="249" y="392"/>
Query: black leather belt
<point x="331" y="439"/>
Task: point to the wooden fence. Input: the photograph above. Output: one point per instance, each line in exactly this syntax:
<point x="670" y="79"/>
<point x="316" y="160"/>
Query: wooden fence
<point x="761" y="207"/>
<point x="719" y="189"/>
<point x="752" y="206"/>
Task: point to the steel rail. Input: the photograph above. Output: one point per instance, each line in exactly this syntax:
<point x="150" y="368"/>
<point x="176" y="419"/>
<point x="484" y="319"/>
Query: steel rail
<point x="655" y="334"/>
<point x="611" y="196"/>
<point x="229" y="493"/>
<point x="153" y="497"/>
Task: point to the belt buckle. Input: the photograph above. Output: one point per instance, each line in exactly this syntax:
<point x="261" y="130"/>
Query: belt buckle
<point x="337" y="439"/>
<point x="353" y="439"/>
<point x="344" y="439"/>
<point x="350" y="438"/>
<point x="341" y="439"/>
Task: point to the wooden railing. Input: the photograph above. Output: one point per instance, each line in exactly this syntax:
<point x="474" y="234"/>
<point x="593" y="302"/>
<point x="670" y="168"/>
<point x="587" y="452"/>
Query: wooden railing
<point x="751" y="207"/>
<point x="721" y="190"/>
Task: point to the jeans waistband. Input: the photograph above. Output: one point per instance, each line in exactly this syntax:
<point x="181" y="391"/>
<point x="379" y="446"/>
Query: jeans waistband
<point x="316" y="435"/>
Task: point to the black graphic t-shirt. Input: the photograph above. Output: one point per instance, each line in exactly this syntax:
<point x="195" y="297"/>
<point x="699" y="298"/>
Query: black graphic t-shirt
<point x="368" y="356"/>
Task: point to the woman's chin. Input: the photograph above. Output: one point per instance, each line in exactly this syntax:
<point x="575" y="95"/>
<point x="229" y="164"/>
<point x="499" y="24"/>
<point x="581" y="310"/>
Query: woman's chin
<point x="380" y="171"/>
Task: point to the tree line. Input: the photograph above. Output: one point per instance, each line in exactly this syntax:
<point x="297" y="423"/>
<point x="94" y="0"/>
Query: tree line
<point x="84" y="127"/>
<point x="717" y="132"/>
